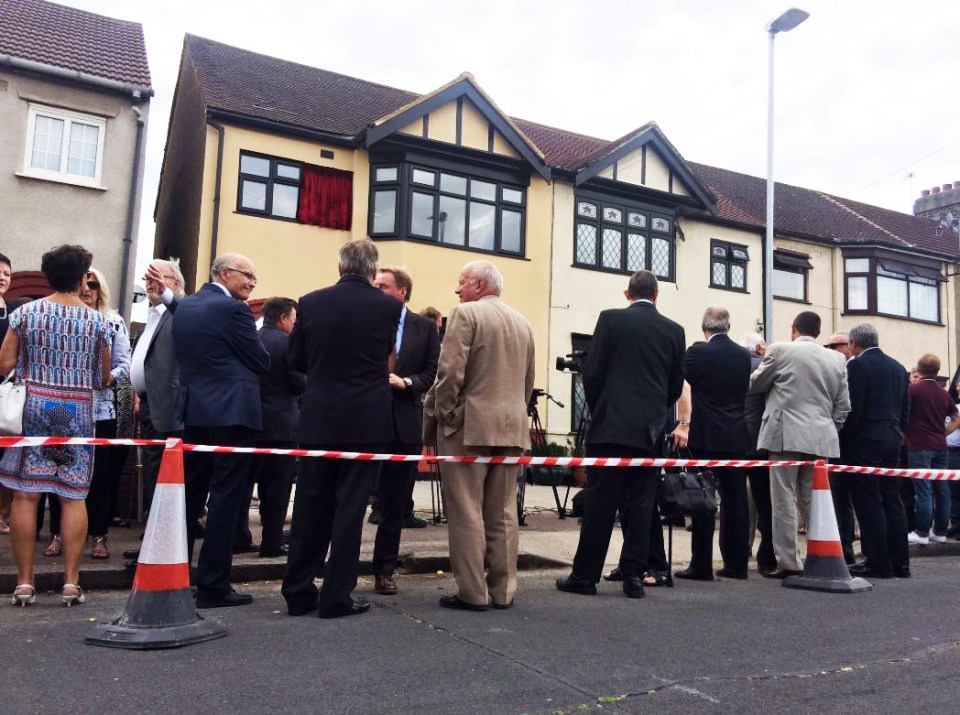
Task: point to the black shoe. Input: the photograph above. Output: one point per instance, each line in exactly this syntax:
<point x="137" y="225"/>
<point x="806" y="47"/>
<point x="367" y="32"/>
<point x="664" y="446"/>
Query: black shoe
<point x="131" y="554"/>
<point x="250" y="548"/>
<point x="727" y="573"/>
<point x="865" y="569"/>
<point x="455" y="602"/>
<point x="286" y="536"/>
<point x="414" y="522"/>
<point x="354" y="607"/>
<point x="572" y="584"/>
<point x="274" y="553"/>
<point x="503" y="606"/>
<point x="130" y="565"/>
<point x="231" y="598"/>
<point x="901" y="571"/>
<point x="691" y="575"/>
<point x="615" y="575"/>
<point x="633" y="587"/>
<point x="375" y="517"/>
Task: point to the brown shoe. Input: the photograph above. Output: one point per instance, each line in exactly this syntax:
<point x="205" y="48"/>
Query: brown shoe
<point x="385" y="586"/>
<point x="100" y="550"/>
<point x="55" y="547"/>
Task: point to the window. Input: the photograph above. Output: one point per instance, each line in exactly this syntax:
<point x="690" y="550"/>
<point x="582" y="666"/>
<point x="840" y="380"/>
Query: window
<point x="728" y="266"/>
<point x="452" y="208"/>
<point x="883" y="286"/>
<point x="580" y="344"/>
<point x="790" y="275"/>
<point x="622" y="237"/>
<point x="269" y="186"/>
<point x="64" y="146"/>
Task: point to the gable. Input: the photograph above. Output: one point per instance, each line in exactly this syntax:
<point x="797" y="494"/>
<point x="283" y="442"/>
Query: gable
<point x="460" y="123"/>
<point x="645" y="167"/>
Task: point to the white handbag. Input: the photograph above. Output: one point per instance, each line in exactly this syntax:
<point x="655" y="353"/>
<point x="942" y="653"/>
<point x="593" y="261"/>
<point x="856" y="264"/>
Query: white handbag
<point x="13" y="398"/>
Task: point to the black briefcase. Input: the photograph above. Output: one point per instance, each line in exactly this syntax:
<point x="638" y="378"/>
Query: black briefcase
<point x="689" y="491"/>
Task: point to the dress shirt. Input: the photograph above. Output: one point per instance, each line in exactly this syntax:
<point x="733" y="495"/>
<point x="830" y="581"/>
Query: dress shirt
<point x="138" y="377"/>
<point x="403" y="317"/>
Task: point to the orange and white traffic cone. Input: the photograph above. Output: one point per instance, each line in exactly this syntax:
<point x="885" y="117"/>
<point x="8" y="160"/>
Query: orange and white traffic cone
<point x="824" y="568"/>
<point x="161" y="612"/>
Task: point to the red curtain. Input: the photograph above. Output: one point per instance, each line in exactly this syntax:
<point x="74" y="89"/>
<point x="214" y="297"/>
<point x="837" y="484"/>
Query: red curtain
<point x="326" y="197"/>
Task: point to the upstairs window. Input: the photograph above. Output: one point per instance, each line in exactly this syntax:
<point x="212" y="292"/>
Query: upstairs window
<point x="64" y="146"/>
<point x="882" y="286"/>
<point x="728" y="266"/>
<point x="790" y="275"/>
<point x="268" y="186"/>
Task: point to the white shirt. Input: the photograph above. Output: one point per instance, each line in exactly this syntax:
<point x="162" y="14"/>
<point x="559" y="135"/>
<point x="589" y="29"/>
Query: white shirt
<point x="138" y="377"/>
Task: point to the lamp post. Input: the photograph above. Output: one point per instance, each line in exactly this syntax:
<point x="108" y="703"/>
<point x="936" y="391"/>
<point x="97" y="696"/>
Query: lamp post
<point x="786" y="22"/>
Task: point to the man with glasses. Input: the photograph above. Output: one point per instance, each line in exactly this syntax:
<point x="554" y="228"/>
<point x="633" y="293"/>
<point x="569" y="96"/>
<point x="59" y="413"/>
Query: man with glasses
<point x="220" y="358"/>
<point x="841" y="485"/>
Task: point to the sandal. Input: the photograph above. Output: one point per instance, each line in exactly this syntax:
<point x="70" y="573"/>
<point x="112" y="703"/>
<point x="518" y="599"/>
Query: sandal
<point x="4" y="527"/>
<point x="55" y="547"/>
<point x="120" y="523"/>
<point x="99" y="550"/>
<point x="652" y="579"/>
<point x="71" y="598"/>
<point x="23" y="595"/>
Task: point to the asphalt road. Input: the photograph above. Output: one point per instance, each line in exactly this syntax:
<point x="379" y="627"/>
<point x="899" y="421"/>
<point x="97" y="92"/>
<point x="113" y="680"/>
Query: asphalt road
<point x="700" y="647"/>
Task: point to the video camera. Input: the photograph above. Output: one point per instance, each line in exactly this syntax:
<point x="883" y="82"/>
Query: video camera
<point x="573" y="361"/>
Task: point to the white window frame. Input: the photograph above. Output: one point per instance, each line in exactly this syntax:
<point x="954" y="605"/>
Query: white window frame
<point x="69" y="118"/>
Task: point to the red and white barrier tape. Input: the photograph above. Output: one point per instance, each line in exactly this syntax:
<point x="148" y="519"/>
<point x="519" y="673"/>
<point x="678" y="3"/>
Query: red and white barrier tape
<point x="929" y="474"/>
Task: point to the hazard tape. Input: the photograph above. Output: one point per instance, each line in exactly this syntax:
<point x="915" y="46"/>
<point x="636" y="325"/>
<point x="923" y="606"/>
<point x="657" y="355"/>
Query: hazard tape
<point x="927" y="474"/>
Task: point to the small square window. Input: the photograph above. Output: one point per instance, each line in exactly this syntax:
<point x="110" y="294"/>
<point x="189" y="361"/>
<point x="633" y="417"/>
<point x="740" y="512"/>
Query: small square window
<point x="256" y="165"/>
<point x="513" y="196"/>
<point x="386" y="173"/>
<point x="254" y="196"/>
<point x="483" y="190"/>
<point x="637" y="220"/>
<point x="453" y="184"/>
<point x="585" y="208"/>
<point x="661" y="224"/>
<point x="858" y="265"/>
<point x="427" y="178"/>
<point x="739" y="254"/>
<point x="612" y="215"/>
<point x="288" y="171"/>
<point x="719" y="251"/>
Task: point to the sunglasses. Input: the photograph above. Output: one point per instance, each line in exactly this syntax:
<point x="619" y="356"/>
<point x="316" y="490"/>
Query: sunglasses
<point x="836" y="346"/>
<point x="93" y="285"/>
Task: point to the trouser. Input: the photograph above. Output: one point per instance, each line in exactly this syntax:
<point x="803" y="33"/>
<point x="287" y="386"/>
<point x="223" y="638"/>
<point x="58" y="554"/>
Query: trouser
<point x="953" y="462"/>
<point x="150" y="457"/>
<point x="273" y="476"/>
<point x="481" y="503"/>
<point x="932" y="497"/>
<point x="734" y="522"/>
<point x="657" y="561"/>
<point x="217" y="481"/>
<point x="883" y="523"/>
<point x="630" y="489"/>
<point x="841" y="490"/>
<point x="790" y="491"/>
<point x="393" y="489"/>
<point x="327" y="515"/>
<point x="760" y="489"/>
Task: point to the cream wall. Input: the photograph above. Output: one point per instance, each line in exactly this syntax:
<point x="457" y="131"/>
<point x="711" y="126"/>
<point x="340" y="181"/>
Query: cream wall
<point x="822" y="298"/>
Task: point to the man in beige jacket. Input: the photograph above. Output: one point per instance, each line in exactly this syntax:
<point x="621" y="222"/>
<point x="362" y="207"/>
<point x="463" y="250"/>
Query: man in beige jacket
<point x="807" y="403"/>
<point x="478" y="406"/>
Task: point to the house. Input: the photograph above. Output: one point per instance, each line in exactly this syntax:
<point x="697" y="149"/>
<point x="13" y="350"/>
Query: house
<point x="285" y="163"/>
<point x="74" y="99"/>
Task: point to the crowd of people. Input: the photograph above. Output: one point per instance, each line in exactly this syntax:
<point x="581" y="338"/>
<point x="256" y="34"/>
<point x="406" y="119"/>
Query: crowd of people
<point x="351" y="368"/>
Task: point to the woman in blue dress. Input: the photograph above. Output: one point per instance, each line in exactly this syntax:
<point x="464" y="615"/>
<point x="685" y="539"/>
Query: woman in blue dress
<point x="60" y="349"/>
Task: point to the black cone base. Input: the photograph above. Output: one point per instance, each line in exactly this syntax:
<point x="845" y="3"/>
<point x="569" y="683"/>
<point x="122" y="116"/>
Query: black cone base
<point x="827" y="573"/>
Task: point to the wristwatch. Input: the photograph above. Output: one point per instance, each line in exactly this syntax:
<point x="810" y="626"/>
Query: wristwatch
<point x="684" y="422"/>
<point x="408" y="382"/>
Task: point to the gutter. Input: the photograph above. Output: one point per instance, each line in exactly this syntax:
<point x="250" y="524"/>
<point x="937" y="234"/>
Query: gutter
<point x="216" y="189"/>
<point x="282" y="128"/>
<point x="131" y="206"/>
<point x="76" y="76"/>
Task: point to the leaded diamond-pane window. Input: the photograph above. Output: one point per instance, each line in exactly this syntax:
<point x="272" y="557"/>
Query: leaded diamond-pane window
<point x="660" y="257"/>
<point x="738" y="276"/>
<point x="586" y="243"/>
<point x="612" y="248"/>
<point x="636" y="252"/>
<point x="728" y="266"/>
<point x="719" y="274"/>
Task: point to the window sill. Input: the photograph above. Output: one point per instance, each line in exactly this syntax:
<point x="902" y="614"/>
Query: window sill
<point x="60" y="179"/>
<point x="617" y="271"/>
<point x="430" y="242"/>
<point x="744" y="291"/>
<point x="859" y="313"/>
<point x="802" y="301"/>
<point x="254" y="214"/>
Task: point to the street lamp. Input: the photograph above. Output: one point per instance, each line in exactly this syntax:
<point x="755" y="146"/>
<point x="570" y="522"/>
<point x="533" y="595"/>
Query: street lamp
<point x="786" y="22"/>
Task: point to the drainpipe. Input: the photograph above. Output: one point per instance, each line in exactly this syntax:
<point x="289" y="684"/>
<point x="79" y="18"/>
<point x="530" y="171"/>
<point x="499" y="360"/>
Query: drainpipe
<point x="131" y="206"/>
<point x="216" y="190"/>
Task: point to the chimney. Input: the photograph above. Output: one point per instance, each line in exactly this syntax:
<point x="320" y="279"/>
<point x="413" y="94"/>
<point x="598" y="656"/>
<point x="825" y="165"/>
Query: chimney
<point x="940" y="203"/>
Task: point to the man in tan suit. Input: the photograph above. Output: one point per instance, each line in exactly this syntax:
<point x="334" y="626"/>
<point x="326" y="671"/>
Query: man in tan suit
<point x="807" y="403"/>
<point x="478" y="406"/>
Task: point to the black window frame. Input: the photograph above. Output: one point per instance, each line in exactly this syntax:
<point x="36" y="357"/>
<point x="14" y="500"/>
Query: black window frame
<point x="790" y="262"/>
<point x="923" y="273"/>
<point x="405" y="188"/>
<point x="625" y="207"/>
<point x="728" y="261"/>
<point x="578" y="398"/>
<point x="270" y="181"/>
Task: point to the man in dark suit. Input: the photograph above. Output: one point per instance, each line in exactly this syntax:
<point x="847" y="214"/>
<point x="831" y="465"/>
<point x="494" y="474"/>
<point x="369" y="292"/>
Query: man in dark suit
<point x="220" y="358"/>
<point x="344" y="341"/>
<point x="280" y="390"/>
<point x="632" y="377"/>
<point x="417" y="352"/>
<point x="879" y="412"/>
<point x="718" y="371"/>
<point x="754" y="405"/>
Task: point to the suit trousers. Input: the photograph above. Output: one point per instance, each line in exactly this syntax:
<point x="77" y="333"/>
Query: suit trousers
<point x="150" y="456"/>
<point x="483" y="525"/>
<point x="629" y="489"/>
<point x="394" y="485"/>
<point x="328" y="513"/>
<point x="760" y="489"/>
<point x="790" y="490"/>
<point x="217" y="481"/>
<point x="273" y="474"/>
<point x="734" y="522"/>
<point x="657" y="562"/>
<point x="883" y="522"/>
<point x="841" y="490"/>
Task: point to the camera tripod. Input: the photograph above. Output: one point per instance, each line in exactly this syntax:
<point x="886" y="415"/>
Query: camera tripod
<point x="538" y="442"/>
<point x="578" y="449"/>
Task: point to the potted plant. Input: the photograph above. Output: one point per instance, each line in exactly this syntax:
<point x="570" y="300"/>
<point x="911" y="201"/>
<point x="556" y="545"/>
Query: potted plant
<point x="542" y="474"/>
<point x="577" y="474"/>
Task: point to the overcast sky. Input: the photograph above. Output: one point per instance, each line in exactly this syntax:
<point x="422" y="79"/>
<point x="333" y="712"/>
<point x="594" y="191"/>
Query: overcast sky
<point x="867" y="103"/>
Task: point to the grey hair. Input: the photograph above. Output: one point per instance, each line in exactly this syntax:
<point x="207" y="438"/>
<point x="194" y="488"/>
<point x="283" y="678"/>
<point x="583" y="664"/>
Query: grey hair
<point x="227" y="260"/>
<point x="174" y="265"/>
<point x="359" y="258"/>
<point x="865" y="336"/>
<point x="487" y="272"/>
<point x="752" y="341"/>
<point x="716" y="319"/>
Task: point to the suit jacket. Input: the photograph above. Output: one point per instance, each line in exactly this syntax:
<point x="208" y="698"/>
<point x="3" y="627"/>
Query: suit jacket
<point x="342" y="340"/>
<point x="719" y="375"/>
<point x="807" y="399"/>
<point x="754" y="404"/>
<point x="419" y="353"/>
<point x="220" y="358"/>
<point x="162" y="374"/>
<point x="879" y="402"/>
<point x="484" y="377"/>
<point x="280" y="389"/>
<point x="633" y="375"/>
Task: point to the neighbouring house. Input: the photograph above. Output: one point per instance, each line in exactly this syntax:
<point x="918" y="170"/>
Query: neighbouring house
<point x="285" y="163"/>
<point x="74" y="98"/>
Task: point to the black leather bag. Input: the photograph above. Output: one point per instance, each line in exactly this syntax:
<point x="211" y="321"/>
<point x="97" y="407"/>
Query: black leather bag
<point x="691" y="491"/>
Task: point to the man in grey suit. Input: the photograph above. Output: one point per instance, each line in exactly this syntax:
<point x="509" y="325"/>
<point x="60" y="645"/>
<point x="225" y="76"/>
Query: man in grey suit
<point x="807" y="403"/>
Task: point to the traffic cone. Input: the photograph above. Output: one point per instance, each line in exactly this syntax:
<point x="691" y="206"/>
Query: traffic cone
<point x="161" y="612"/>
<point x="824" y="568"/>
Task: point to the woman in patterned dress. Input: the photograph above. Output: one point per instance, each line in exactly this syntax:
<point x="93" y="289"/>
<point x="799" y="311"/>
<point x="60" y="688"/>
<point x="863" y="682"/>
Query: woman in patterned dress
<point x="6" y="273"/>
<point x="108" y="461"/>
<point x="61" y="351"/>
